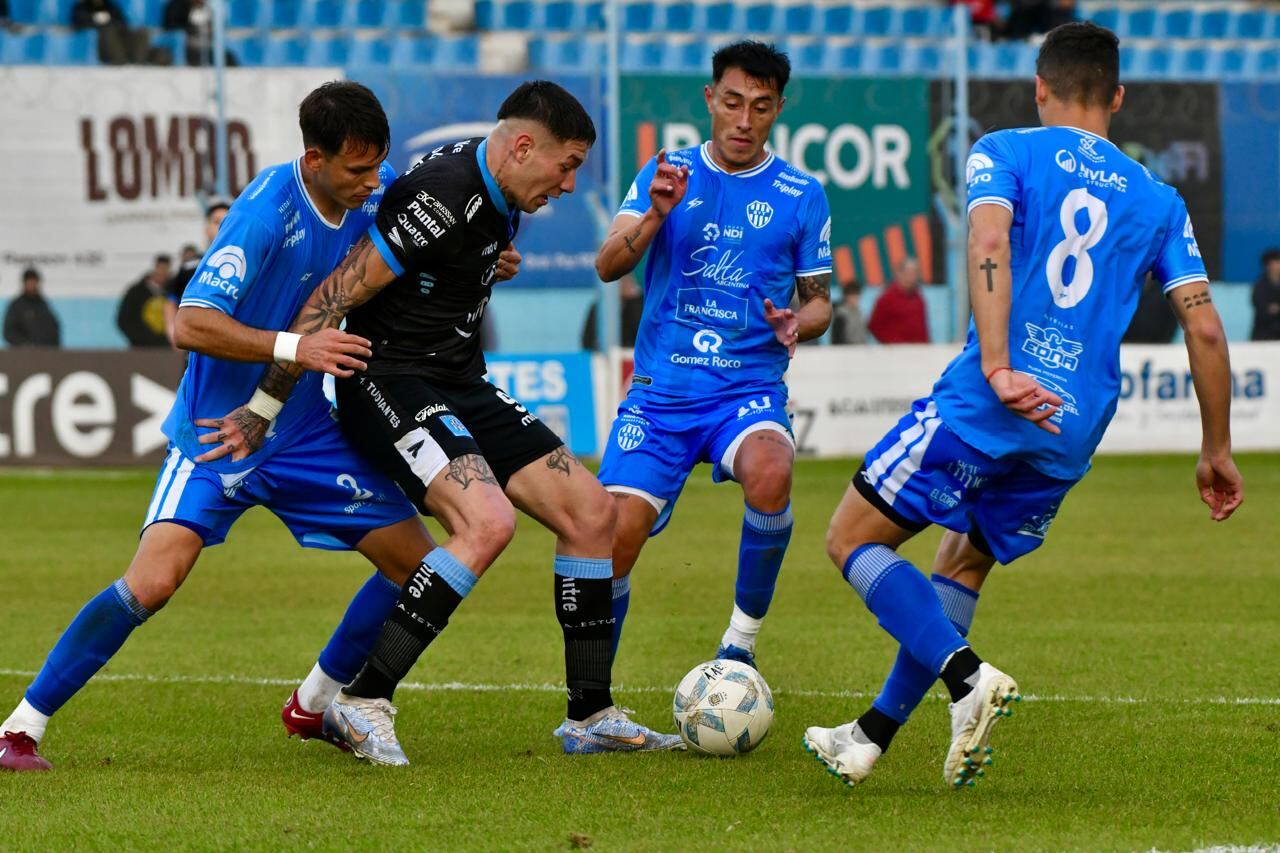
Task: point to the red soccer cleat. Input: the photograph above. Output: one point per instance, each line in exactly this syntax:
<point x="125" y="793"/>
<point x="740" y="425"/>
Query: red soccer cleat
<point x="305" y="724"/>
<point x="18" y="753"/>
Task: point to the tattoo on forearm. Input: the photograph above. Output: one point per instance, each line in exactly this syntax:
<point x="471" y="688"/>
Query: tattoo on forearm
<point x="811" y="287"/>
<point x="630" y="239"/>
<point x="563" y="461"/>
<point x="988" y="267"/>
<point x="1195" y="300"/>
<point x="278" y="380"/>
<point x="469" y="469"/>
<point x="344" y="288"/>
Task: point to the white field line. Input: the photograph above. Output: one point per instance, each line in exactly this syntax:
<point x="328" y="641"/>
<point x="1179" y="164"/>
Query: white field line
<point x="465" y="687"/>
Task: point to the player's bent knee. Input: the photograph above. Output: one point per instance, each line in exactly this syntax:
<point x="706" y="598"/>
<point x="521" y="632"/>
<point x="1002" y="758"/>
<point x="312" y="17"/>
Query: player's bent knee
<point x="840" y="545"/>
<point x="769" y="487"/>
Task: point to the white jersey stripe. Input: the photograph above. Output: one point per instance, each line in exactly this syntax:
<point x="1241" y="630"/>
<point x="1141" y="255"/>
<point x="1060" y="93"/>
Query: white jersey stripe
<point x="175" y="491"/>
<point x="877" y="469"/>
<point x="910" y="465"/>
<point x="162" y="484"/>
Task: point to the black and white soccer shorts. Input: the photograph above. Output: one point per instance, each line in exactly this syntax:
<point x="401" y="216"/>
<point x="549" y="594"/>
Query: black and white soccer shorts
<point x="412" y="428"/>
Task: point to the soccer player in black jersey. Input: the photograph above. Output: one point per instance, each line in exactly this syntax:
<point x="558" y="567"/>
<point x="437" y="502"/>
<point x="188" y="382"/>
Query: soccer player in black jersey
<point x="416" y="287"/>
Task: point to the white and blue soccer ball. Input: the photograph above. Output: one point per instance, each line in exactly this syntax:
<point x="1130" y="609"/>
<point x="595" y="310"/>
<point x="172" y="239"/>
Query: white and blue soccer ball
<point x="723" y="707"/>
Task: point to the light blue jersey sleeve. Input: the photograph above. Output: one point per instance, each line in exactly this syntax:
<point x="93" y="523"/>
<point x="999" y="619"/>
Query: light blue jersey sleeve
<point x="813" y="248"/>
<point x="241" y="250"/>
<point x="637" y="201"/>
<point x="993" y="173"/>
<point x="1179" y="261"/>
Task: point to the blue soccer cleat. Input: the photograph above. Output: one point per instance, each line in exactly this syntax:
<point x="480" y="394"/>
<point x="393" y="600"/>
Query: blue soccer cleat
<point x="741" y="655"/>
<point x="613" y="731"/>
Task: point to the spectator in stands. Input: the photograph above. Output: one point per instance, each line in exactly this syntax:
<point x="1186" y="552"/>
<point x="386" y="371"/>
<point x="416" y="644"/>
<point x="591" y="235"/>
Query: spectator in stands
<point x="899" y="314"/>
<point x="190" y="252"/>
<point x="196" y="18"/>
<point x="985" y="16"/>
<point x="1266" y="299"/>
<point x="29" y="321"/>
<point x="118" y="44"/>
<point x="632" y="305"/>
<point x="1035" y="17"/>
<point x="847" y="323"/>
<point x="141" y="314"/>
<point x="1154" y="322"/>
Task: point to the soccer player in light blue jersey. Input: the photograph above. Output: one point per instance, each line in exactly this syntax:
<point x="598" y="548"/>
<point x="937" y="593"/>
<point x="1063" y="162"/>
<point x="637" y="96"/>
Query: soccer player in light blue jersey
<point x="732" y="232"/>
<point x="284" y="234"/>
<point x="1063" y="231"/>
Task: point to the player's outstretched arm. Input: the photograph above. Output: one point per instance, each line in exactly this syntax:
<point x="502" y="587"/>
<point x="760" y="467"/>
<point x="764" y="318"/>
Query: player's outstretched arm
<point x="814" y="313"/>
<point x="361" y="275"/>
<point x="1219" y="482"/>
<point x="990" y="295"/>
<point x="630" y="235"/>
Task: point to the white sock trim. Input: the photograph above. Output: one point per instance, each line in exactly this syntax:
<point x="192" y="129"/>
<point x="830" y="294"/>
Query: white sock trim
<point x="743" y="630"/>
<point x="25" y="718"/>
<point x="317" y="691"/>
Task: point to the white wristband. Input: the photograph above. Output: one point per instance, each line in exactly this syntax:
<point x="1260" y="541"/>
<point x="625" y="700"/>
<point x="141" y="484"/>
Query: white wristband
<point x="286" y="348"/>
<point x="264" y="405"/>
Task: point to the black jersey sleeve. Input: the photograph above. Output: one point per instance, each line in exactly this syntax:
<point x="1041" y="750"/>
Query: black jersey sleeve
<point x="418" y="222"/>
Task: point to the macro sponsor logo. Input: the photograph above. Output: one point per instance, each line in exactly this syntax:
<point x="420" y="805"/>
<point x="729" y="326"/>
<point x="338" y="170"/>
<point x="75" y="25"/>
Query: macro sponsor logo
<point x="1189" y="234"/>
<point x="824" y="240"/>
<point x="977" y="167"/>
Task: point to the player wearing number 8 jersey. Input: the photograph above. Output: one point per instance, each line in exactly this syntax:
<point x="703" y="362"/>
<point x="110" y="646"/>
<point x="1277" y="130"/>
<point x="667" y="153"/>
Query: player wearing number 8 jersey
<point x="1064" y="229"/>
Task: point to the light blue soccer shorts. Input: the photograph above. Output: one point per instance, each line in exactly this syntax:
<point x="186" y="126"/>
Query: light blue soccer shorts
<point x="921" y="473"/>
<point x="320" y="487"/>
<point x="656" y="441"/>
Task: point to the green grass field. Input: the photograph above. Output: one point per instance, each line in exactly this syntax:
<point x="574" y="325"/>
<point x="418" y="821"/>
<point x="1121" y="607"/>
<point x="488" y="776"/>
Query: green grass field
<point x="1145" y="637"/>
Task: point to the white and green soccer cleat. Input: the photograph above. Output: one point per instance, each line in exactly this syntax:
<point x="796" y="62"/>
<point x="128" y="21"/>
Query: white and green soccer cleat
<point x="972" y="719"/>
<point x="367" y="726"/>
<point x="847" y="753"/>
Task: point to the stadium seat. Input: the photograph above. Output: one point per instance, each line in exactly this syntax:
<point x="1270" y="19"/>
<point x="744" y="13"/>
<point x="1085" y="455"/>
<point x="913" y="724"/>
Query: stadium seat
<point x="924" y="58"/>
<point x="807" y="57"/>
<point x="1215" y="23"/>
<point x="716" y="17"/>
<point x="152" y="14"/>
<point x="1251" y="24"/>
<point x="842" y="58"/>
<point x="1189" y="62"/>
<point x="756" y="18"/>
<point x="638" y="55"/>
<point x="840" y="21"/>
<point x="1227" y="63"/>
<point x="373" y="51"/>
<point x="678" y="17"/>
<point x="594" y="11"/>
<point x="879" y="21"/>
<point x="285" y="14"/>
<point x="248" y="13"/>
<point x="78" y="48"/>
<point x="925" y="21"/>
<point x="1269" y="61"/>
<point x="515" y="15"/>
<point x="24" y="11"/>
<point x="799" y="19"/>
<point x="1107" y="16"/>
<point x="459" y="52"/>
<point x="561" y="16"/>
<point x="558" y="55"/>
<point x="1139" y="23"/>
<point x="686" y="57"/>
<point x="320" y="14"/>
<point x="486" y="15"/>
<point x="883" y="59"/>
<point x="248" y="50"/>
<point x="57" y="12"/>
<point x="22" y="48"/>
<point x="284" y="50"/>
<point x="639" y="17"/>
<point x="174" y="41"/>
<point x="1153" y="62"/>
<point x="364" y="14"/>
<point x="407" y="14"/>
<point x="413" y="50"/>
<point x="1177" y="23"/>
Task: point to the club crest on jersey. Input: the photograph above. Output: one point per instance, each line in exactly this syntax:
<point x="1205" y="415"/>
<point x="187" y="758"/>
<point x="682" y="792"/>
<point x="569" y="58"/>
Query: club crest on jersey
<point x="759" y="213"/>
<point x="630" y="436"/>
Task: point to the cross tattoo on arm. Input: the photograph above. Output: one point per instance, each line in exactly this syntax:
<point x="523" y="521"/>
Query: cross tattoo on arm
<point x="987" y="267"/>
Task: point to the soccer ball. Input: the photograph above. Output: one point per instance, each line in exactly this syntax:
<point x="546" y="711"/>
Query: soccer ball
<point x="723" y="707"/>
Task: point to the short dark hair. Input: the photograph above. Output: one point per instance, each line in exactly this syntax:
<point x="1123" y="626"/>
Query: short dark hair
<point x="757" y="60"/>
<point x="342" y="112"/>
<point x="1270" y="255"/>
<point x="163" y="259"/>
<point x="30" y="273"/>
<point x="216" y="205"/>
<point x="1080" y="62"/>
<point x="553" y="107"/>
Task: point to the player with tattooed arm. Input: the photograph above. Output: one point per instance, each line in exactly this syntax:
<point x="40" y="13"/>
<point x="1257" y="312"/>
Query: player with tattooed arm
<point x="732" y="233"/>
<point x="292" y="224"/>
<point x="417" y="285"/>
<point x="1063" y="229"/>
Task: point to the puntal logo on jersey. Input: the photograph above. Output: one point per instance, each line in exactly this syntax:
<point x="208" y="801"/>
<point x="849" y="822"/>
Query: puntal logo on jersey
<point x="759" y="213"/>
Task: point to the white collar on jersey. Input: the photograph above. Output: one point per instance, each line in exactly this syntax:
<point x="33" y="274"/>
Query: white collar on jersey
<point x="1089" y="133"/>
<point x="311" y="204"/>
<point x="711" y="164"/>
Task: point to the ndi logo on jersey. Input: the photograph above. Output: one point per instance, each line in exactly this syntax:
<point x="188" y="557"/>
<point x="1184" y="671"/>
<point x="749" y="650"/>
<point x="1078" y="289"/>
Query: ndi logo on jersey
<point x="705" y="340"/>
<point x="973" y="170"/>
<point x="630" y="436"/>
<point x="1051" y="348"/>
<point x="711" y="232"/>
<point x="759" y="213"/>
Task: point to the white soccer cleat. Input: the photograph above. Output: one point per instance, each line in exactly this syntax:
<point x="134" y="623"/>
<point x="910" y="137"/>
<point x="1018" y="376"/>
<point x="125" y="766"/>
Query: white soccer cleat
<point x="847" y="753"/>
<point x="972" y="719"/>
<point x="368" y="726"/>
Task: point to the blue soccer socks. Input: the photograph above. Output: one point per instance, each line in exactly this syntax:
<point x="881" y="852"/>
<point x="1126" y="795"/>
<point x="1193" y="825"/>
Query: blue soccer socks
<point x="905" y="604"/>
<point x="92" y="638"/>
<point x="351" y="643"/>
